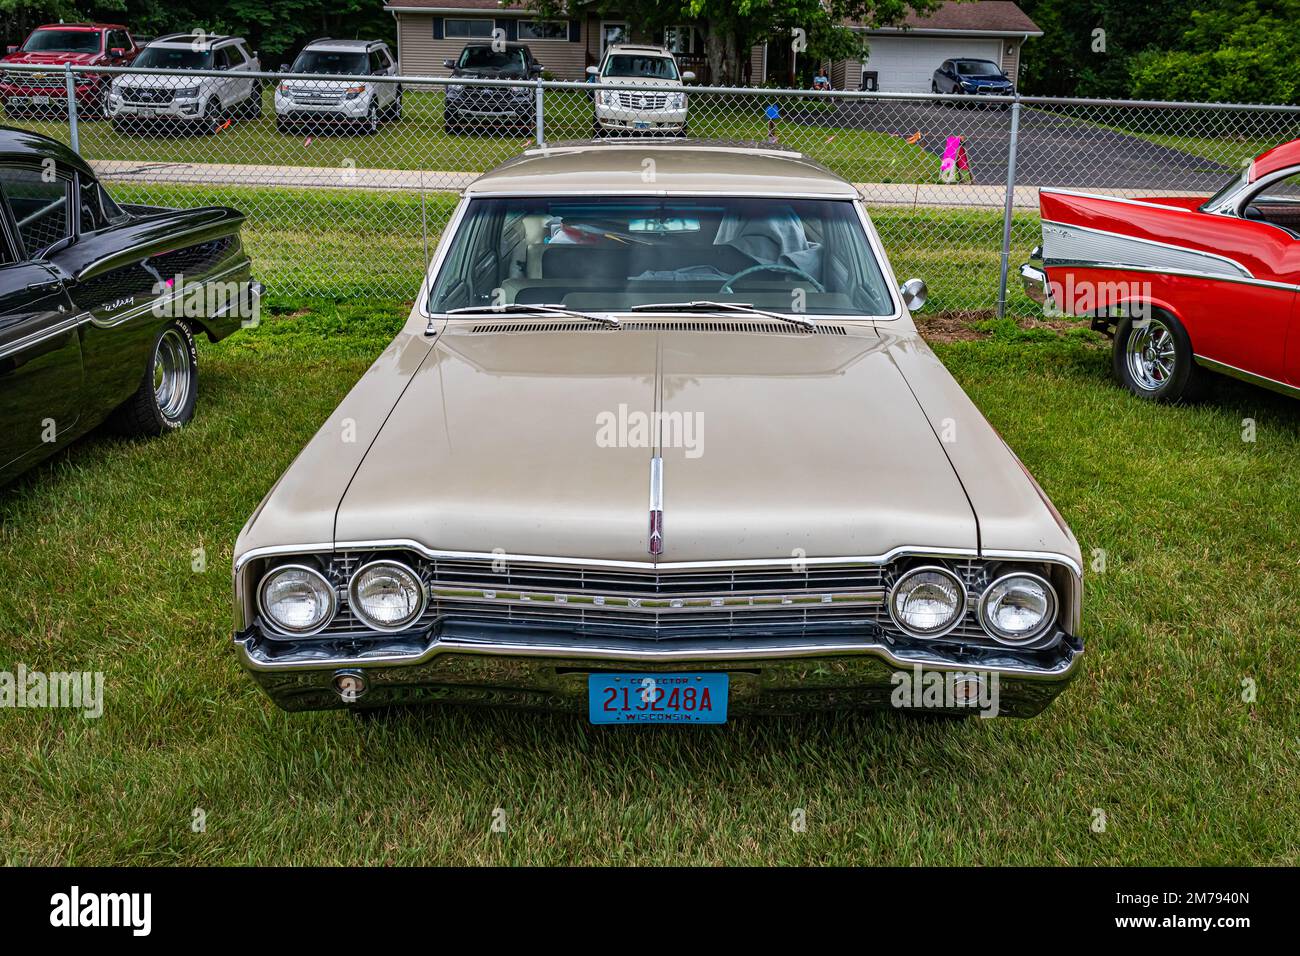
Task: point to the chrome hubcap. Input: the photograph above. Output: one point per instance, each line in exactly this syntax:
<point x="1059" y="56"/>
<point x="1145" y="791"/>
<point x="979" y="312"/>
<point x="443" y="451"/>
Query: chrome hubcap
<point x="1151" y="357"/>
<point x="171" y="375"/>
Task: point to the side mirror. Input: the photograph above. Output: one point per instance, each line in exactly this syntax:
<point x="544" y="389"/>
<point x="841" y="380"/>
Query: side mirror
<point x="593" y="71"/>
<point x="284" y="67"/>
<point x="11" y="48"/>
<point x="117" y="51"/>
<point x="449" y="64"/>
<point x="688" y="77"/>
<point x="914" y="293"/>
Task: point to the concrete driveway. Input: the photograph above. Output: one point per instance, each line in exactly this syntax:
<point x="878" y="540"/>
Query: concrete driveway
<point x="1053" y="150"/>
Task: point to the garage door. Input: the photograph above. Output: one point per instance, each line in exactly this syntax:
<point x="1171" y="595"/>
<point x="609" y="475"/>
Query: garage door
<point x="907" y="64"/>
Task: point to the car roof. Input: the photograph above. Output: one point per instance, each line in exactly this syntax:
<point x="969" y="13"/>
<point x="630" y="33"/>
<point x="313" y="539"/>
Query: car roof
<point x="1279" y="157"/>
<point x="680" y="167"/>
<point x="21" y="145"/>
<point x="507" y="43"/>
<point x="79" y="26"/>
<point x="328" y="43"/>
<point x="189" y="39"/>
<point x="639" y="48"/>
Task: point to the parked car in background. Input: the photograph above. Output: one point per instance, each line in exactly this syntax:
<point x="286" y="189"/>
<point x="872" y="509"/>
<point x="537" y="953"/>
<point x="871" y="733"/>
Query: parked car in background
<point x="55" y="45"/>
<point x="485" y="107"/>
<point x="659" y="454"/>
<point x="100" y="302"/>
<point x="170" y="102"/>
<point x="656" y="108"/>
<point x="1185" y="285"/>
<point x="356" y="103"/>
<point x="974" y="77"/>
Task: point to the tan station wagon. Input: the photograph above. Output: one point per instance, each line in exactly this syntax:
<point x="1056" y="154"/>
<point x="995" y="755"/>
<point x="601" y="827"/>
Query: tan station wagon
<point x="659" y="442"/>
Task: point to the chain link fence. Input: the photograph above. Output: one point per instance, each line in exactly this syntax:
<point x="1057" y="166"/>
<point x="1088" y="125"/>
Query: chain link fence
<point x="347" y="181"/>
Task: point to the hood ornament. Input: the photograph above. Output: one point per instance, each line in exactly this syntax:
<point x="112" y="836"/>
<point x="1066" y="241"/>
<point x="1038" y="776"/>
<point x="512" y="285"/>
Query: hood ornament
<point x="656" y="545"/>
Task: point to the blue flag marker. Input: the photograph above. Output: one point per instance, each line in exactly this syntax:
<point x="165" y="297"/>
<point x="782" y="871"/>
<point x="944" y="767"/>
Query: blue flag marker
<point x="773" y="112"/>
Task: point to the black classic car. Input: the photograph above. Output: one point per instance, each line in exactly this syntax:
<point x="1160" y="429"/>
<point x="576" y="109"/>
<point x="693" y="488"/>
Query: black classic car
<point x="100" y="302"/>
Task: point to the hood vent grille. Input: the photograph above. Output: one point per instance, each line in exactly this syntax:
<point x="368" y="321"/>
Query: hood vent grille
<point x="712" y="325"/>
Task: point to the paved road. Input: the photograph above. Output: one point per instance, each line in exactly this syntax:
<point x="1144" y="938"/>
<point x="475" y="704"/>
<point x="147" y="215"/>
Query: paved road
<point x="1053" y="150"/>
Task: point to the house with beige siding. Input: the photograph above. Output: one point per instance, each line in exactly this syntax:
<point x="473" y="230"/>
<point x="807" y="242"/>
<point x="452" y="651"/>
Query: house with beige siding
<point x="901" y="58"/>
<point x="430" y="31"/>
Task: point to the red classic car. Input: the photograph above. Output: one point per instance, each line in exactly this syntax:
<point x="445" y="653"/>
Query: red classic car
<point x="57" y="44"/>
<point x="1184" y="285"/>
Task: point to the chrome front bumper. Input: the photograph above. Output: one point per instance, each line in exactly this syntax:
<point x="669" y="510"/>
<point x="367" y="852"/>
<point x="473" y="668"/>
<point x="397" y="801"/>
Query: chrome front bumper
<point x="1035" y="282"/>
<point x="547" y="669"/>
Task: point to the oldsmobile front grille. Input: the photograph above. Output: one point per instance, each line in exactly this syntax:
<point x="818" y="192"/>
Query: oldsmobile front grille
<point x="653" y="605"/>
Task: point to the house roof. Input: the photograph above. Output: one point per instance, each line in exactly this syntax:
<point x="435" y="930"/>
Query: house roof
<point x="452" y="5"/>
<point x="979" y="16"/>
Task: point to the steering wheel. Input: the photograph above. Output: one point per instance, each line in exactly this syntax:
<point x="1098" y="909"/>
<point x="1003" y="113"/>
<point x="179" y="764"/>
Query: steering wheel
<point x="771" y="267"/>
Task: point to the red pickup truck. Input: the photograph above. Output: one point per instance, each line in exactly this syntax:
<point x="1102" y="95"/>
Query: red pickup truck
<point x="57" y="44"/>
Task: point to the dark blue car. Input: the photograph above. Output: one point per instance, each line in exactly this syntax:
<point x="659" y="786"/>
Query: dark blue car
<point x="971" y="76"/>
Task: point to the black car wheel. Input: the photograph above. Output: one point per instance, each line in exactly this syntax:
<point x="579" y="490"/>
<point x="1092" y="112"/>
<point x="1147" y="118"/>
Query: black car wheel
<point x="370" y="125"/>
<point x="212" y="119"/>
<point x="395" y="108"/>
<point x="167" y="393"/>
<point x="252" y="108"/>
<point x="1153" y="358"/>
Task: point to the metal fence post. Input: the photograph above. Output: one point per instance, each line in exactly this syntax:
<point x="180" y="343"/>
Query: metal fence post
<point x="70" y="87"/>
<point x="1008" y="204"/>
<point x="541" y="120"/>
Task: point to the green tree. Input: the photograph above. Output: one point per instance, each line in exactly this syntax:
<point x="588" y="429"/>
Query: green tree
<point x="1238" y="51"/>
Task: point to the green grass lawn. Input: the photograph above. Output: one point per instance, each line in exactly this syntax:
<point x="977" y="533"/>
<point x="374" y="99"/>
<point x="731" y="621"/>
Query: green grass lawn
<point x="1201" y="592"/>
<point x="420" y="142"/>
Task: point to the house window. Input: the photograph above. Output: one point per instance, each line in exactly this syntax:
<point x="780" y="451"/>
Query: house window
<point x="468" y="29"/>
<point x="684" y="40"/>
<point x="543" y="30"/>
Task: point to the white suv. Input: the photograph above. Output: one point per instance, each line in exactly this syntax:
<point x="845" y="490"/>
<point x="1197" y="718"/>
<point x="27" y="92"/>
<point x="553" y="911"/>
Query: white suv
<point x="207" y="102"/>
<point x="634" y="111"/>
<point x="300" y="102"/>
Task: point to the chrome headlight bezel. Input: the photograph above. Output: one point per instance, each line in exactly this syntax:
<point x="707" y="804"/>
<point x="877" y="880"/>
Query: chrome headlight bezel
<point x="275" y="625"/>
<point x="1045" y="626"/>
<point x="958" y="616"/>
<point x="401" y="568"/>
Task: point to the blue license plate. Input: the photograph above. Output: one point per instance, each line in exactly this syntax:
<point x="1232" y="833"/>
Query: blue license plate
<point x="657" y="698"/>
<point x="640" y="124"/>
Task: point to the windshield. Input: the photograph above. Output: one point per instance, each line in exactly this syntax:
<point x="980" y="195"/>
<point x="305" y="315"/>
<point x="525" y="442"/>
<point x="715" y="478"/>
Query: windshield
<point x="62" y="41"/>
<point x="1233" y="184"/>
<point x="639" y="64"/>
<point x="331" y="61"/>
<point x="977" y="68"/>
<point x="608" y="254"/>
<point x="486" y="58"/>
<point x="174" y="58"/>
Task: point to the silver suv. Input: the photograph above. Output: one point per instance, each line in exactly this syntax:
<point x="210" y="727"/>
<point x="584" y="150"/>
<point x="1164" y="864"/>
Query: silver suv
<point x="358" y="103"/>
<point x="206" y="102"/>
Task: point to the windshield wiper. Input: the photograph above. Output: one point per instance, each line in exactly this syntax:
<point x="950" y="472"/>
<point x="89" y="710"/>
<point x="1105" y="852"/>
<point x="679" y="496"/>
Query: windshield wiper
<point x="534" y="308"/>
<point x="704" y="305"/>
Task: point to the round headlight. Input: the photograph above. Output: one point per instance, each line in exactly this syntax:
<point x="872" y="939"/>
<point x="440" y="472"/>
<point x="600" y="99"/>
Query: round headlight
<point x="296" y="600"/>
<point x="1017" y="608"/>
<point x="927" y="602"/>
<point x="386" y="595"/>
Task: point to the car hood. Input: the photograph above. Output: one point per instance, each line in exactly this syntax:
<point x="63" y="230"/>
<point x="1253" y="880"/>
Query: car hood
<point x="638" y="81"/>
<point x="777" y="444"/>
<point x="472" y="74"/>
<point x="50" y="59"/>
<point x="159" y="81"/>
<point x="986" y="80"/>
